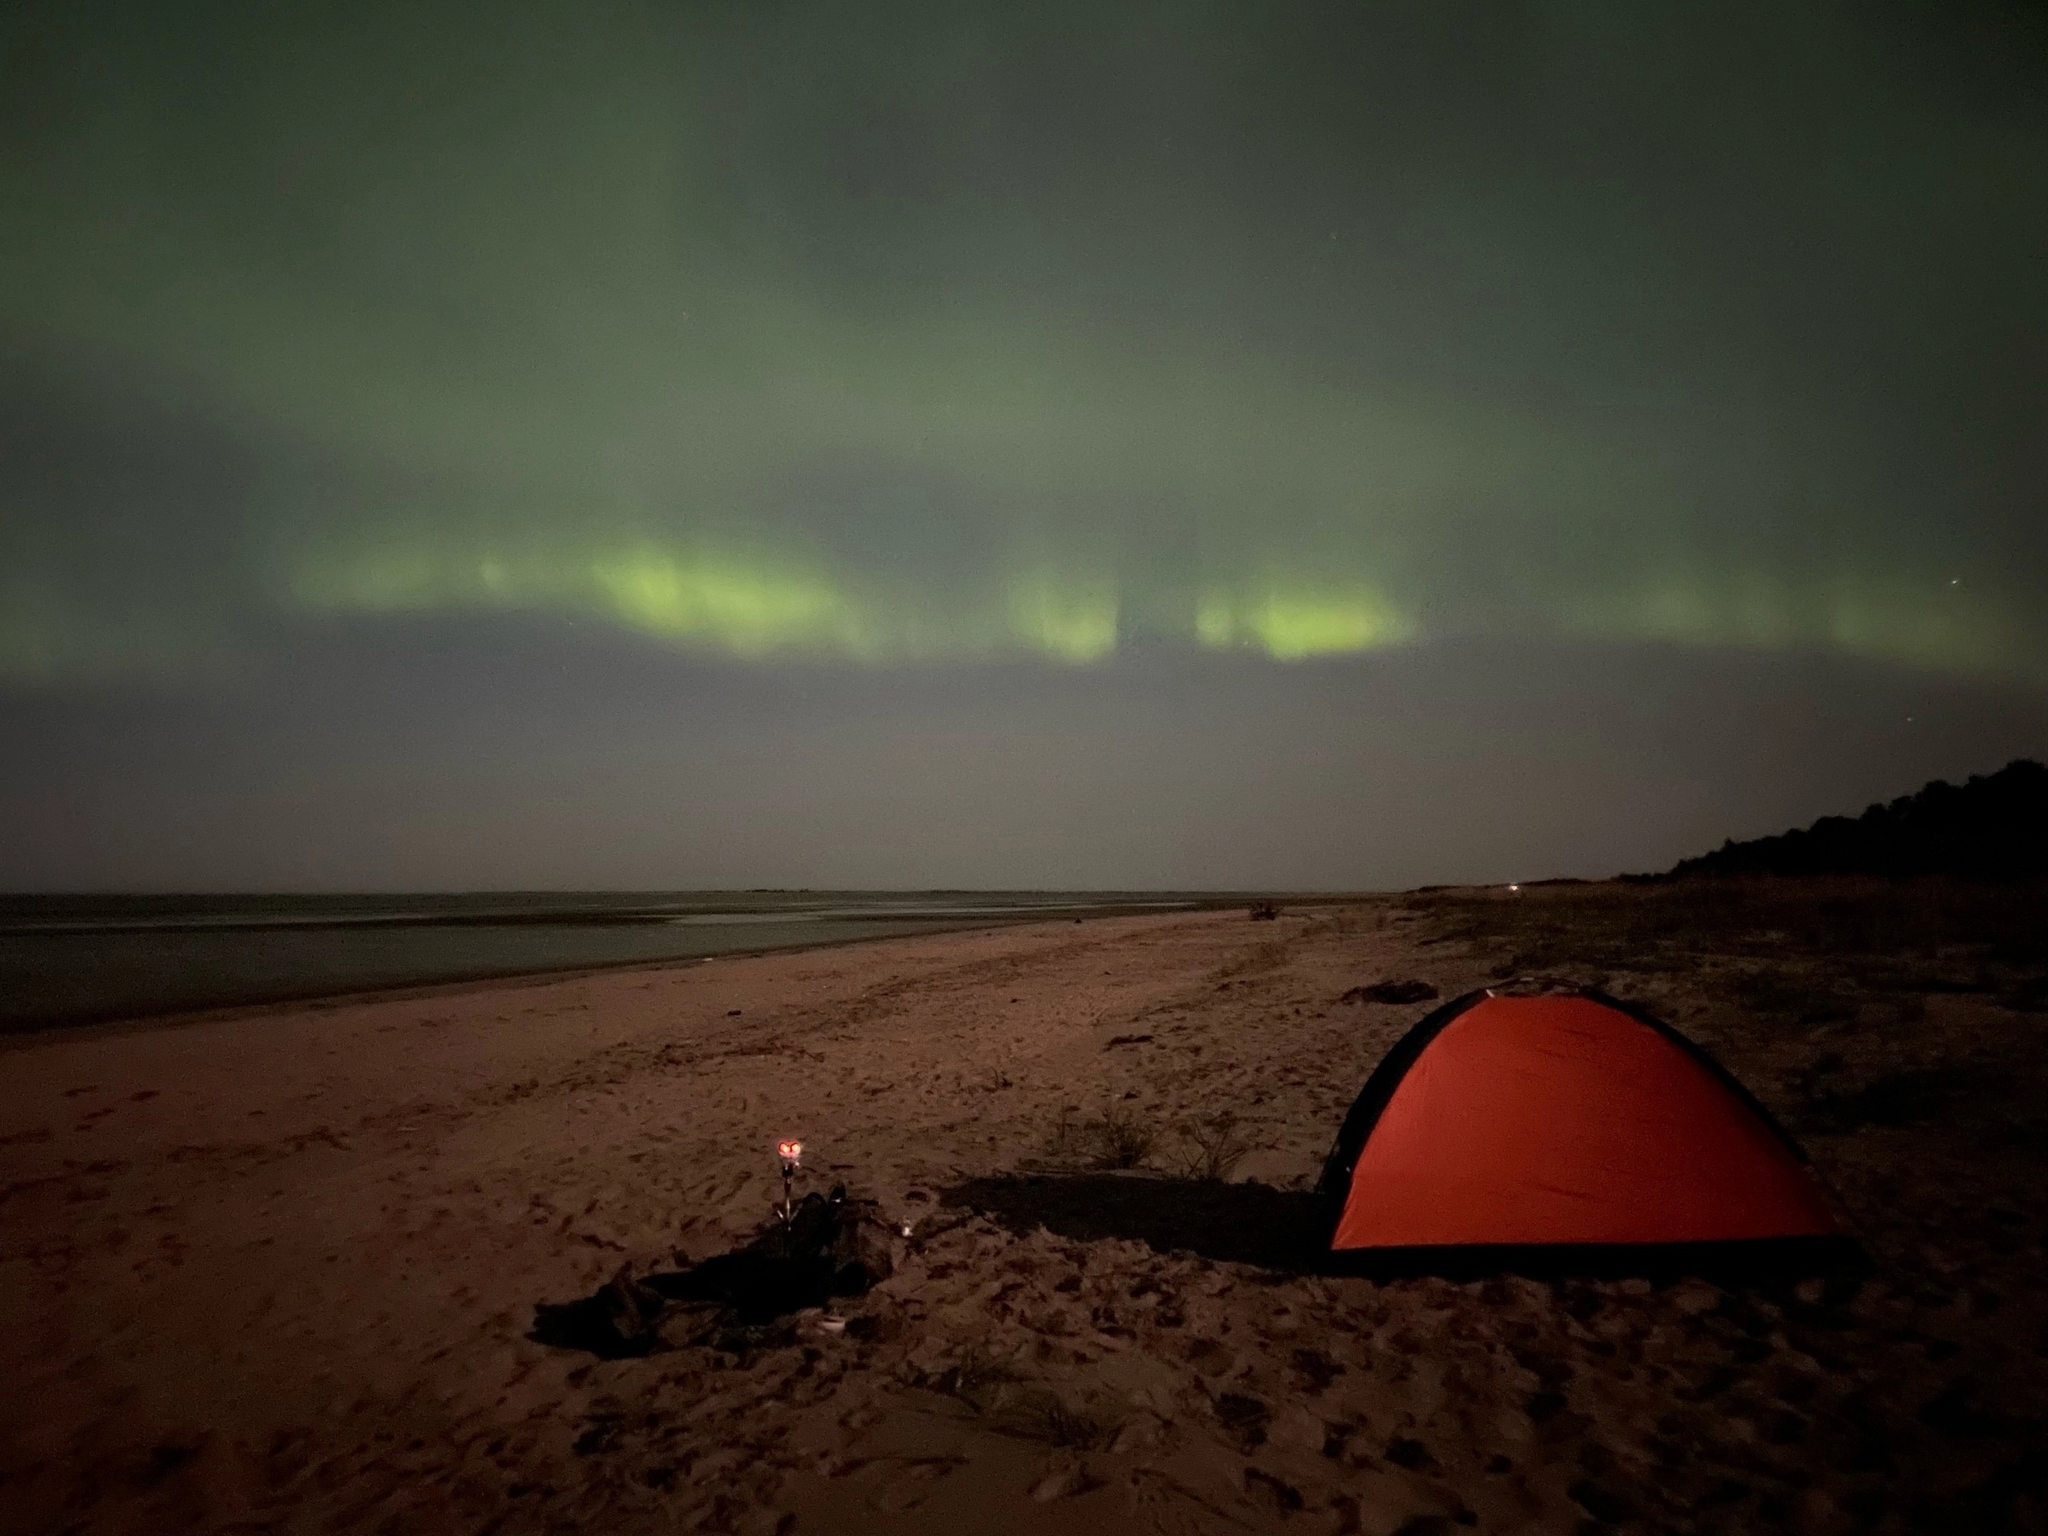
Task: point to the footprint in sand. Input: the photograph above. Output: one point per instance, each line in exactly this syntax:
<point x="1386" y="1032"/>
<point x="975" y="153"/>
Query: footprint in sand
<point x="1209" y="1358"/>
<point x="1064" y="1483"/>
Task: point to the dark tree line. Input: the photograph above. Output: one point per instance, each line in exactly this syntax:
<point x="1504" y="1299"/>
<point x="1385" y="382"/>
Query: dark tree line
<point x="1992" y="825"/>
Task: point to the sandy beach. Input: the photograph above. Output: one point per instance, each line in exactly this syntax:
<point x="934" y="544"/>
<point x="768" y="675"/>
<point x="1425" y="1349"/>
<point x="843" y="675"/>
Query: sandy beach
<point x="277" y="1270"/>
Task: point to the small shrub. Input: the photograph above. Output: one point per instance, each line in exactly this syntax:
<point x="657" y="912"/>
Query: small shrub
<point x="1049" y="1420"/>
<point x="1216" y="1144"/>
<point x="1126" y="1141"/>
<point x="1117" y="1138"/>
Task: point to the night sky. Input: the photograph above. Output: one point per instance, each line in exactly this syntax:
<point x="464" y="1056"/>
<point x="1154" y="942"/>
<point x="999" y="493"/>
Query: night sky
<point x="1228" y="445"/>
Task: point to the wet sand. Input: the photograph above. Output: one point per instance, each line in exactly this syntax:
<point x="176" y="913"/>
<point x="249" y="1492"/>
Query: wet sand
<point x="277" y="1271"/>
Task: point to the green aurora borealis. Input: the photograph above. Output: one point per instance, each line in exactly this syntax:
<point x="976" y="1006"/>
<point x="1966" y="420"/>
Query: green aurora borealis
<point x="939" y="333"/>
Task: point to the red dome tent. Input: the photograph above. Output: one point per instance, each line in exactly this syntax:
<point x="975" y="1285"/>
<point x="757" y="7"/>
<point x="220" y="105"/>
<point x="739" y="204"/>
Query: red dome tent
<point x="1566" y="1123"/>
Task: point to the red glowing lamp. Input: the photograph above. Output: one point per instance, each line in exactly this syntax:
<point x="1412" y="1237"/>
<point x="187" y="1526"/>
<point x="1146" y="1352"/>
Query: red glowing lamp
<point x="790" y="1150"/>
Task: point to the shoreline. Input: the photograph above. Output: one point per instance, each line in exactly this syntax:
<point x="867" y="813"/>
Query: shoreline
<point x="322" y="1000"/>
<point x="122" y="1018"/>
<point x="360" y="912"/>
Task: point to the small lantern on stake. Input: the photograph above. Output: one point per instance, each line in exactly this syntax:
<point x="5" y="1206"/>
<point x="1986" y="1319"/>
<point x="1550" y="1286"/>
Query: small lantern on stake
<point x="791" y="1151"/>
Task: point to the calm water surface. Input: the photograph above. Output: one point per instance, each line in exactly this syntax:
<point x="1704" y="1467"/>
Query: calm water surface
<point x="82" y="959"/>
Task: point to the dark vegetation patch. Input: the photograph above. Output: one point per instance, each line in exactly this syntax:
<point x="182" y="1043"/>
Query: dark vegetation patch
<point x="1212" y="1146"/>
<point x="1119" y="1137"/>
<point x="1910" y="1097"/>
<point x="1047" y="1418"/>
<point x="1781" y="995"/>
<point x="1123" y="1138"/>
<point x="1870" y="937"/>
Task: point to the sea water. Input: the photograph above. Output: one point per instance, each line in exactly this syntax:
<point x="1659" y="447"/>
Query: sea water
<point x="83" y="959"/>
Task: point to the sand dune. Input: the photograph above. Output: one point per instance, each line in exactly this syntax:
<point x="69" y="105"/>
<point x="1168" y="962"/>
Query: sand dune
<point x="277" y="1270"/>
